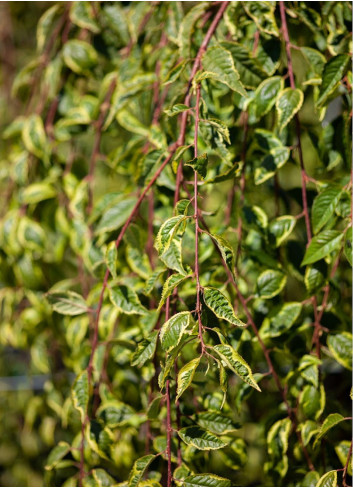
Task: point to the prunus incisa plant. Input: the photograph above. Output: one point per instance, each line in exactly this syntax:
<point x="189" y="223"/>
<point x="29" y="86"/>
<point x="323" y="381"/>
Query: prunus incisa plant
<point x="176" y="244"/>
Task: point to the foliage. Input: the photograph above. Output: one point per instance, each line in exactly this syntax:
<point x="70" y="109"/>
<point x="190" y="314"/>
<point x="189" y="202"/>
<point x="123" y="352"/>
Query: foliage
<point x="175" y="246"/>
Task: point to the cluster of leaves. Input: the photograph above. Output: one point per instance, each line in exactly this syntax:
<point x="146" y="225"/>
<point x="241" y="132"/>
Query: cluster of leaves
<point x="175" y="245"/>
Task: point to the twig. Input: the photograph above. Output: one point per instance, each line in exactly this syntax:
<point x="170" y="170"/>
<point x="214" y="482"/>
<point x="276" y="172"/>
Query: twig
<point x="97" y="140"/>
<point x="169" y="436"/>
<point x="316" y="334"/>
<point x="345" y="469"/>
<point x="171" y="150"/>
<point x="265" y="350"/>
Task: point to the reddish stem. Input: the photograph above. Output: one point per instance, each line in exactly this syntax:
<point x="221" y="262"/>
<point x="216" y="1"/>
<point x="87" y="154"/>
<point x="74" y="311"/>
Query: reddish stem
<point x="345" y="469"/>
<point x="97" y="141"/>
<point x="169" y="436"/>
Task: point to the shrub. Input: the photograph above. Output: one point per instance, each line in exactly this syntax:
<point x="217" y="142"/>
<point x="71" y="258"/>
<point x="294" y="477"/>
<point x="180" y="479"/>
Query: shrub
<point x="176" y="244"/>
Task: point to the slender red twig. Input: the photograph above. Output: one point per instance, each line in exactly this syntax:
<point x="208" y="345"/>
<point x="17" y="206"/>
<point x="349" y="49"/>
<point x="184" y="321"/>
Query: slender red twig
<point x="97" y="141"/>
<point x="172" y="148"/>
<point x="304" y="178"/>
<point x="345" y="469"/>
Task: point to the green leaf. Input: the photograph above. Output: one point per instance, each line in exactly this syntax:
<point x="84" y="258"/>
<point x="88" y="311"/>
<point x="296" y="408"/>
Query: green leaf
<point x="322" y="245"/>
<point x="116" y="216"/>
<point x="126" y="300"/>
<point x="340" y="345"/>
<point x="187" y="28"/>
<point x="280" y="228"/>
<point x="308" y="429"/>
<point x="226" y="250"/>
<point x="139" y="468"/>
<point x="331" y="421"/>
<point x="145" y="350"/>
<point x="229" y="174"/>
<point x="342" y="450"/>
<point x="328" y="480"/>
<point x="312" y="401"/>
<point x="199" y="164"/>
<point x="176" y="110"/>
<point x="111" y="257"/>
<point x="167" y="232"/>
<point x="270" y="283"/>
<point x="172" y="257"/>
<point x="315" y="276"/>
<point x="221" y="307"/>
<point x="201" y="439"/>
<point x="154" y="407"/>
<point x="205" y="480"/>
<point x="315" y="58"/>
<point x="219" y="65"/>
<point x="288" y="104"/>
<point x="172" y="331"/>
<point x="115" y="413"/>
<point x="57" y="454"/>
<point x="333" y="72"/>
<point x="169" y="285"/>
<point x="102" y="478"/>
<point x="215" y="422"/>
<point x="45" y="25"/>
<point x="34" y="137"/>
<point x="274" y="160"/>
<point x="263" y="14"/>
<point x="82" y="14"/>
<point x="115" y="16"/>
<point x="68" y="303"/>
<point x="280" y="320"/>
<point x="348" y="239"/>
<point x="237" y="364"/>
<point x="80" y="394"/>
<point x="185" y="376"/>
<point x="79" y="56"/>
<point x="250" y="71"/>
<point x="277" y="438"/>
<point x="31" y="235"/>
<point x="265" y="96"/>
<point x="324" y="206"/>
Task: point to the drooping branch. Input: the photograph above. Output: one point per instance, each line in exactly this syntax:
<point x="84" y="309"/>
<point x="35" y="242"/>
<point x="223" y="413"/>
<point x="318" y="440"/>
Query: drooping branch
<point x="172" y="148"/>
<point x="304" y="177"/>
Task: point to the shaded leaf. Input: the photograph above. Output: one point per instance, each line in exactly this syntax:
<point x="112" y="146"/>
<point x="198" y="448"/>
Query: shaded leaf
<point x="340" y="345"/>
<point x="126" y="300"/>
<point x="145" y="350"/>
<point x="270" y="283"/>
<point x="199" y="164"/>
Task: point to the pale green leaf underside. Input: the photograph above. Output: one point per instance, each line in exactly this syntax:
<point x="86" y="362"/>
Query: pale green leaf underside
<point x="185" y="376"/>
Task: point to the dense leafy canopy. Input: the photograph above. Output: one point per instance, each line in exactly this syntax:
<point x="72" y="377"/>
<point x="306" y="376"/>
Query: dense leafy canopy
<point x="175" y="247"/>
